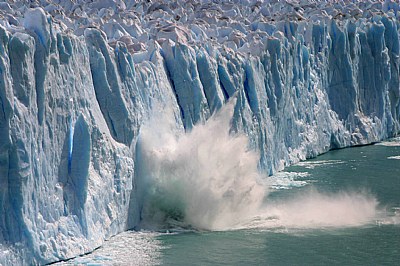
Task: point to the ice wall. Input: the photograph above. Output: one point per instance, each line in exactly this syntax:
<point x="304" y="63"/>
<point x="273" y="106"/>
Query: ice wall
<point x="72" y="104"/>
<point x="70" y="113"/>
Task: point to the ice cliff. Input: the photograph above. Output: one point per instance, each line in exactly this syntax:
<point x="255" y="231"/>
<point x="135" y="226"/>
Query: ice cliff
<point x="78" y="79"/>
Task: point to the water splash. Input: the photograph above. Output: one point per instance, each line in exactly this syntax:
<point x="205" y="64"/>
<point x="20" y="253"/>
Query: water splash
<point x="313" y="209"/>
<point x="208" y="179"/>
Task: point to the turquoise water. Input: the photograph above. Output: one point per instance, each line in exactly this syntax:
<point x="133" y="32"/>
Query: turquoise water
<point x="372" y="170"/>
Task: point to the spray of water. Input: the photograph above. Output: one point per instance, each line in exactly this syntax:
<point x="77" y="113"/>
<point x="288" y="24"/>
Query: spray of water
<point x="313" y="209"/>
<point x="208" y="179"/>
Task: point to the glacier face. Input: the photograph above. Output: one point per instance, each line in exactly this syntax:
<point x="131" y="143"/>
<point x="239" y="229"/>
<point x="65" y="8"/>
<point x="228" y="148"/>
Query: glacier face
<point x="74" y="94"/>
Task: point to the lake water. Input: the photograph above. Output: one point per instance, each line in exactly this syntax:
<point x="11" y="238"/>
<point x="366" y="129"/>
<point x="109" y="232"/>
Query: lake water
<point x="338" y="187"/>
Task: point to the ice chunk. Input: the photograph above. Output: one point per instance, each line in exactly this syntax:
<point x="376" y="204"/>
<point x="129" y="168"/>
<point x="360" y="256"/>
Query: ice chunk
<point x="36" y="21"/>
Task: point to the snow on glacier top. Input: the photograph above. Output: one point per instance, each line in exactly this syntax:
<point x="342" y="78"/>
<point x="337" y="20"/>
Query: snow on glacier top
<point x="241" y="25"/>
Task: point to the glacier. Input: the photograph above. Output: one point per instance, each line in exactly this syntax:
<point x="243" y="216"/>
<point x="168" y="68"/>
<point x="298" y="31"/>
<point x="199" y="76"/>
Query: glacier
<point x="77" y="82"/>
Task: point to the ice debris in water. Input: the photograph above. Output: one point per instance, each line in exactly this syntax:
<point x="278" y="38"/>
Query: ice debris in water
<point x="287" y="180"/>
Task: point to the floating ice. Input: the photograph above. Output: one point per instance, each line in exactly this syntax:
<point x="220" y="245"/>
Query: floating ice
<point x="288" y="180"/>
<point x="395" y="142"/>
<point x="314" y="163"/>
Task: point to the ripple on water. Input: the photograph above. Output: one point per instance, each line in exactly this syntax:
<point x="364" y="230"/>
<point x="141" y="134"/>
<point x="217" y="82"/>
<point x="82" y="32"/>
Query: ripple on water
<point x="144" y="250"/>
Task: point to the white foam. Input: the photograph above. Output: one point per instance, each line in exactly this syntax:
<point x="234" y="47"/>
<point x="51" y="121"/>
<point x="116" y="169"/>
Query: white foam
<point x="394" y="157"/>
<point x="395" y="142"/>
<point x="288" y="180"/>
<point x="206" y="178"/>
<point x="389" y="144"/>
<point x="312" y="209"/>
<point x="313" y="164"/>
<point x="391" y="217"/>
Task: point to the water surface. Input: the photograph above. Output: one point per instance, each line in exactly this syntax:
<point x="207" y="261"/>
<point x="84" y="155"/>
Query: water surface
<point x="371" y="170"/>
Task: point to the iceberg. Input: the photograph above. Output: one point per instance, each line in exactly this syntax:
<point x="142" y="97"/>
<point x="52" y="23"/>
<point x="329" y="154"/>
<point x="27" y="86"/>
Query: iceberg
<point x="78" y="79"/>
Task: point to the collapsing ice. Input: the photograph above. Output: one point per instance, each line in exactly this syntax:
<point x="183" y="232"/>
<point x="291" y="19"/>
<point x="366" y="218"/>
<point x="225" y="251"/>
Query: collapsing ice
<point x="208" y="179"/>
<point x="205" y="178"/>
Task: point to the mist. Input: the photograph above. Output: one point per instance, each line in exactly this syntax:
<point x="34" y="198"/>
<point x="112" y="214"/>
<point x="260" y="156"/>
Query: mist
<point x="312" y="209"/>
<point x="208" y="179"/>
